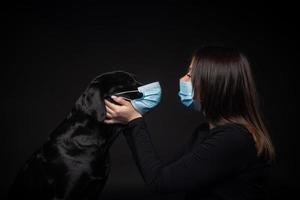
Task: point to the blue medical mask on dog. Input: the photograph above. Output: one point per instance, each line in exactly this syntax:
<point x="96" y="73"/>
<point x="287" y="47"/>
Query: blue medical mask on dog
<point x="150" y="99"/>
<point x="186" y="94"/>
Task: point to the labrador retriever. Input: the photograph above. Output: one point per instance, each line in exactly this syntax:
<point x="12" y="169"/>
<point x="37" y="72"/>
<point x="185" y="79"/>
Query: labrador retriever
<point x="74" y="162"/>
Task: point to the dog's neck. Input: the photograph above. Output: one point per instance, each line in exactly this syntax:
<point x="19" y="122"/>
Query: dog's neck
<point x="109" y="131"/>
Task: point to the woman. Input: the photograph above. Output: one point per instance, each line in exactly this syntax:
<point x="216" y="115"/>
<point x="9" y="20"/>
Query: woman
<point x="229" y="154"/>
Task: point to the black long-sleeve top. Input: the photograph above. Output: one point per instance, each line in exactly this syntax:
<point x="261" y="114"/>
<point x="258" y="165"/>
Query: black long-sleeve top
<point x="217" y="163"/>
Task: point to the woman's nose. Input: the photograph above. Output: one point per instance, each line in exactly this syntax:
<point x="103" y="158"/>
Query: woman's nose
<point x="186" y="77"/>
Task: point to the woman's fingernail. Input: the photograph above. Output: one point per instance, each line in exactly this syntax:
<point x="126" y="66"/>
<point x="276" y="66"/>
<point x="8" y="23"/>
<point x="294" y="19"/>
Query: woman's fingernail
<point x="113" y="96"/>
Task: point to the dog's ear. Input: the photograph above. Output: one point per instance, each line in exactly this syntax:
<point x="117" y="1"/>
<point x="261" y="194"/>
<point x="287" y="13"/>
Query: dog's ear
<point x="91" y="102"/>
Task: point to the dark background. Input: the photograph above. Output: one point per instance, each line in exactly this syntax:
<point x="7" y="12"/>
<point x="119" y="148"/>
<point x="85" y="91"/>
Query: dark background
<point x="54" y="49"/>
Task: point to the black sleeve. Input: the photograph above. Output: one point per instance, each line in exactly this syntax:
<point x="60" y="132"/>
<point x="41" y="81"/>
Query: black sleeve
<point x="198" y="135"/>
<point x="217" y="156"/>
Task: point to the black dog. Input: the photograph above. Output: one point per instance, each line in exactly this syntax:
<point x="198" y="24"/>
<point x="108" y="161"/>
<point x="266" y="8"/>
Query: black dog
<point x="74" y="162"/>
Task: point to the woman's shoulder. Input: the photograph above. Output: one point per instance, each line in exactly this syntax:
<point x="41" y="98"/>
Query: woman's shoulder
<point x="223" y="132"/>
<point x="234" y="134"/>
<point x="230" y="128"/>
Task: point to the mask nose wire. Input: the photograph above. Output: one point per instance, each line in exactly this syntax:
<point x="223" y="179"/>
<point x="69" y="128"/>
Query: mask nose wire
<point x="124" y="92"/>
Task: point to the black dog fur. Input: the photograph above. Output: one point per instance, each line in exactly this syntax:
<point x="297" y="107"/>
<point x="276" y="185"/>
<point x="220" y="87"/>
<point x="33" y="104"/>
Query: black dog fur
<point x="74" y="161"/>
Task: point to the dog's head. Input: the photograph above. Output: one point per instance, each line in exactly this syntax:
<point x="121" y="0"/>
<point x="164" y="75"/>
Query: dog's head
<point x="91" y="102"/>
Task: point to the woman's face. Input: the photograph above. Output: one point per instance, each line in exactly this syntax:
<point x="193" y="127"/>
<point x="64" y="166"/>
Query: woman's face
<point x="187" y="76"/>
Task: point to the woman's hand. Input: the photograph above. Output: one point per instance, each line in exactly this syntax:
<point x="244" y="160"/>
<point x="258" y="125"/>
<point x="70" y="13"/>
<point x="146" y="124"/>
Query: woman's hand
<point x="122" y="113"/>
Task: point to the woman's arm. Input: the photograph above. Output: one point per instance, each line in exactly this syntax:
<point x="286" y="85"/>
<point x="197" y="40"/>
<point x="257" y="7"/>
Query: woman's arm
<point x="218" y="156"/>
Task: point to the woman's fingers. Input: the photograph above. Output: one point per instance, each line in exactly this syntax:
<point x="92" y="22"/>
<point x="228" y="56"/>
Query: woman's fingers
<point x="109" y="110"/>
<point x="113" y="107"/>
<point x="108" y="115"/>
<point x="120" y="100"/>
<point x="111" y="121"/>
<point x="110" y="105"/>
<point x="116" y="113"/>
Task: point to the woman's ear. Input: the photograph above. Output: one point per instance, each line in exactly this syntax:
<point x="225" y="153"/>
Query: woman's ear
<point x="91" y="102"/>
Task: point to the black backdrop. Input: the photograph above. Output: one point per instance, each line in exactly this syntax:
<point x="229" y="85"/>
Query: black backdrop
<point x="55" y="49"/>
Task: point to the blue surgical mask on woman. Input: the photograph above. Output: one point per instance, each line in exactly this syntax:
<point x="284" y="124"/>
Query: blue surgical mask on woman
<point x="186" y="94"/>
<point x="150" y="99"/>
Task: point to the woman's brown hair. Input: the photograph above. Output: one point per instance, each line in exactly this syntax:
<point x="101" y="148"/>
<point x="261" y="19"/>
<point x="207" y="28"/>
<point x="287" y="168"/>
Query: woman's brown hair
<point x="223" y="82"/>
